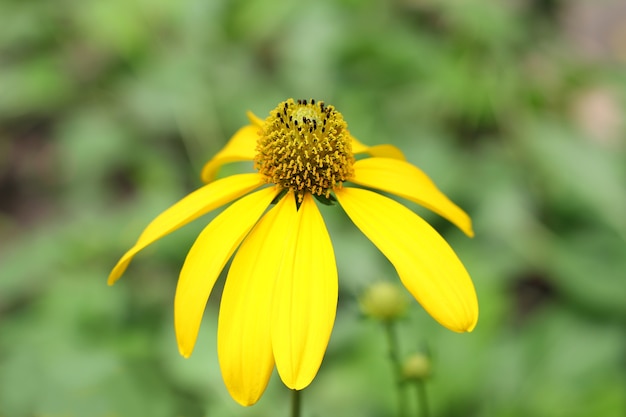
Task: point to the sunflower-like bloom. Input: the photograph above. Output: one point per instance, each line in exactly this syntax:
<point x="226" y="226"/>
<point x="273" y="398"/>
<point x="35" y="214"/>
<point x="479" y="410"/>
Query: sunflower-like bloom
<point x="280" y="297"/>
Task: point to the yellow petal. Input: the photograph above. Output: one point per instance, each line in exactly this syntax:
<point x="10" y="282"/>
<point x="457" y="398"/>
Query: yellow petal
<point x="189" y="208"/>
<point x="305" y="298"/>
<point x="206" y="259"/>
<point x="243" y="334"/>
<point x="408" y="181"/>
<point x="255" y="120"/>
<point x="426" y="264"/>
<point x="382" y="151"/>
<point x="241" y="147"/>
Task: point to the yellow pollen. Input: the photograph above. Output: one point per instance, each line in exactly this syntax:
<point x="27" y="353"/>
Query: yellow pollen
<point x="305" y="146"/>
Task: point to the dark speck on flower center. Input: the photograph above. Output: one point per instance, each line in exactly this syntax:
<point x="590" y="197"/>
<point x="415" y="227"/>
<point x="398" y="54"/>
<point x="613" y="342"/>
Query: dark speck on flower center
<point x="305" y="146"/>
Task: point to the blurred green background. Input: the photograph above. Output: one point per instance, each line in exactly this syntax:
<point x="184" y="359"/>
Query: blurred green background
<point x="108" y="110"/>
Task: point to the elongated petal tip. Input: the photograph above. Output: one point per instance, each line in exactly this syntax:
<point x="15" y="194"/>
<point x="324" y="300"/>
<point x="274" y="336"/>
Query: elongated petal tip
<point x="241" y="147"/>
<point x="382" y="151"/>
<point x="407" y="181"/>
<point x="121" y="266"/>
<point x="186" y="210"/>
<point x="254" y="119"/>
<point x="473" y="325"/>
<point x="242" y="400"/>
<point x="464" y="315"/>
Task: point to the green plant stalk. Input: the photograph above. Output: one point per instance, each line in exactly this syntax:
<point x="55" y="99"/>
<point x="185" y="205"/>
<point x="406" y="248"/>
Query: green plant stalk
<point x="296" y="403"/>
<point x="422" y="398"/>
<point x="394" y="357"/>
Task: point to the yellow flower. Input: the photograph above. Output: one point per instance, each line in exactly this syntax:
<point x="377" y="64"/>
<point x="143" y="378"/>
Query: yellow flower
<point x="280" y="298"/>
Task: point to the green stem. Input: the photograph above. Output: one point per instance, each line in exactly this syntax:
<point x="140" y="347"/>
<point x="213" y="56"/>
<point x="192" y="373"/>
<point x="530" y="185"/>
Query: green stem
<point x="296" y="402"/>
<point x="394" y="357"/>
<point x="422" y="398"/>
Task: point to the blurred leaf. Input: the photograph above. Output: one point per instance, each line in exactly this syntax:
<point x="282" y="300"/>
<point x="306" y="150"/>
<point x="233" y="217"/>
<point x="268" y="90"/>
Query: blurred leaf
<point x="36" y="85"/>
<point x="579" y="175"/>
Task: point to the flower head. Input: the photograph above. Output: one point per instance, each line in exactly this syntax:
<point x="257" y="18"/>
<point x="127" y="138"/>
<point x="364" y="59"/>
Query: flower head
<point x="305" y="148"/>
<point x="280" y="296"/>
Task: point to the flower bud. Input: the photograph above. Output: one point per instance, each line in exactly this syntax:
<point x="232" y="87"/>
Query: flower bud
<point x="416" y="367"/>
<point x="384" y="301"/>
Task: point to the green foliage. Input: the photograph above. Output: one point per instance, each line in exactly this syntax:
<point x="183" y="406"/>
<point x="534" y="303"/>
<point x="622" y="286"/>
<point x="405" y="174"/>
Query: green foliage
<point x="109" y="109"/>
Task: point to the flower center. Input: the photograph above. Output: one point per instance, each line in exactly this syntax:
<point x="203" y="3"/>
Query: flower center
<point x="305" y="147"/>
